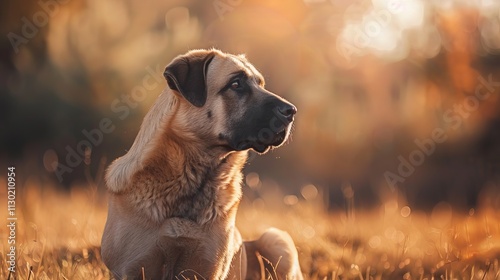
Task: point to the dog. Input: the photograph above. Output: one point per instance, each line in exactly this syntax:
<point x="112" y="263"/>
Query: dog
<point x="174" y="195"/>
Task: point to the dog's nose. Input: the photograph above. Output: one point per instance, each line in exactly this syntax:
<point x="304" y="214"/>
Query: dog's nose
<point x="287" y="110"/>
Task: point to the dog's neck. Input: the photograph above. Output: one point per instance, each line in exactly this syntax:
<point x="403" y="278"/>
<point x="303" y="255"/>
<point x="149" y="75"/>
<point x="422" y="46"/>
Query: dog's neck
<point x="170" y="176"/>
<point x="120" y="172"/>
<point x="182" y="180"/>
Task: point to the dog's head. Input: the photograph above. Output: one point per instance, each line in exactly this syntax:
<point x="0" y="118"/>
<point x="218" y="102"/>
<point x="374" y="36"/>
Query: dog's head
<point x="224" y="101"/>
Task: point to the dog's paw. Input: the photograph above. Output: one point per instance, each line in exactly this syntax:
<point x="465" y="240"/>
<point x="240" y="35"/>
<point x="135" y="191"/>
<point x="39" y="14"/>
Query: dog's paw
<point x="278" y="248"/>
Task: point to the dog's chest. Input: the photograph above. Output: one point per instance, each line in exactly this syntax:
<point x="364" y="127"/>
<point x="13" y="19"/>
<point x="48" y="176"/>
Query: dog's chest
<point x="198" y="197"/>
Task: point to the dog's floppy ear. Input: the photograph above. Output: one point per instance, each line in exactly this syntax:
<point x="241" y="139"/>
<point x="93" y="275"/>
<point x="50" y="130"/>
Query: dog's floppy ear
<point x="187" y="75"/>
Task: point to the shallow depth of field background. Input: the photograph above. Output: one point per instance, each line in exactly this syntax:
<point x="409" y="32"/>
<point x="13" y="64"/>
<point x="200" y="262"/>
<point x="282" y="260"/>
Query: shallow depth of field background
<point x="355" y="186"/>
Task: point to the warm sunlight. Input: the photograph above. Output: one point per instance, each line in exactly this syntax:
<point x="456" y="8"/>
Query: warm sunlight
<point x="384" y="164"/>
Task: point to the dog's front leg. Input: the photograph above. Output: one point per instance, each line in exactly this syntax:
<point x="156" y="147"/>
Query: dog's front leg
<point x="181" y="241"/>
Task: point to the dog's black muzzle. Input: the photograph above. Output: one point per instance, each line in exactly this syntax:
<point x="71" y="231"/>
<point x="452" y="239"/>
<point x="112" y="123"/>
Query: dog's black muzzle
<point x="264" y="125"/>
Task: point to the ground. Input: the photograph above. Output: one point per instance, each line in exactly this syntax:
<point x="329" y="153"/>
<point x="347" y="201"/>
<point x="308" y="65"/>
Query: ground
<point x="58" y="237"/>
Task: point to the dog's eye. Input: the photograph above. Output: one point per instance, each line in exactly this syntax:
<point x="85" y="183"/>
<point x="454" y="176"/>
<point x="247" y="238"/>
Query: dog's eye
<point x="236" y="84"/>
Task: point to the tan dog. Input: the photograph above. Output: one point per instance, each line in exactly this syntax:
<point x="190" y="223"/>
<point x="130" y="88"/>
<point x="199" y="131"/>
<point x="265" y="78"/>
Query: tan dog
<point x="174" y="195"/>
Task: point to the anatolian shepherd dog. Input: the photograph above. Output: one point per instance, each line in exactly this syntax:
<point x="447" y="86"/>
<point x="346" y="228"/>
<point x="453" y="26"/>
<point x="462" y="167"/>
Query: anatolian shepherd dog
<point x="174" y="195"/>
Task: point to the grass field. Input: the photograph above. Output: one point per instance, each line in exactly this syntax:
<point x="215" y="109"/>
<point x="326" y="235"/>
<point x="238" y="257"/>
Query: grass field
<point x="58" y="237"/>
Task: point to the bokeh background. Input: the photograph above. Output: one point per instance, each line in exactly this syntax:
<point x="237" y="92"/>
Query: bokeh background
<point x="369" y="78"/>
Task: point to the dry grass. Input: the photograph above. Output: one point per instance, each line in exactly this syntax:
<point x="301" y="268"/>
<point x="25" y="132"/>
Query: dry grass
<point x="58" y="237"/>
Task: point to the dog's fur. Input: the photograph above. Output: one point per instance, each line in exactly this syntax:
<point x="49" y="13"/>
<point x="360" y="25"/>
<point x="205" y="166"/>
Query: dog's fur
<point x="174" y="195"/>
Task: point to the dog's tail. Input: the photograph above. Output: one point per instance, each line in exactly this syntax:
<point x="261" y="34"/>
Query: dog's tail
<point x="279" y="255"/>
